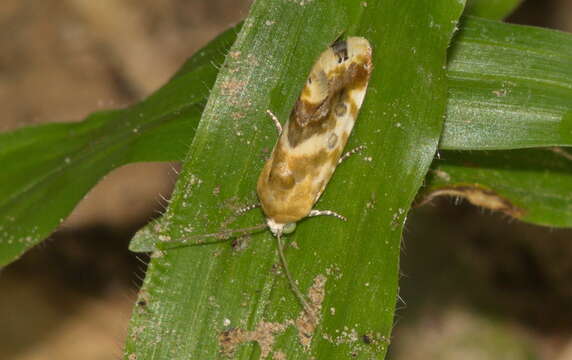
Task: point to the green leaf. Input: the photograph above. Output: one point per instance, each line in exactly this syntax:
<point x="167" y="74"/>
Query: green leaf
<point x="192" y="295"/>
<point x="47" y="169"/>
<point x="163" y="131"/>
<point x="492" y="9"/>
<point x="531" y="185"/>
<point x="510" y="87"/>
<point x="478" y="118"/>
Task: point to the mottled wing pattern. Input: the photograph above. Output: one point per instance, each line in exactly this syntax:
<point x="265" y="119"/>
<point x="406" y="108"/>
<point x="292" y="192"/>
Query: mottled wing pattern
<point x="309" y="148"/>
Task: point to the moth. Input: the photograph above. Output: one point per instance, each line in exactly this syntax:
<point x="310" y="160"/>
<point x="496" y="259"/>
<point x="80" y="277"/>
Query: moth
<point x="311" y="143"/>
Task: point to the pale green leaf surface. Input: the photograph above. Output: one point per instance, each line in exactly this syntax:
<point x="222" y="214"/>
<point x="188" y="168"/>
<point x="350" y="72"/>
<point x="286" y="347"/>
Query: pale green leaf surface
<point x="193" y="294"/>
<point x="510" y="87"/>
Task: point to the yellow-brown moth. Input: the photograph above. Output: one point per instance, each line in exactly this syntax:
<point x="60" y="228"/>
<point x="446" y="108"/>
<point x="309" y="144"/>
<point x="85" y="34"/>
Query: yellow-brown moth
<point x="311" y="144"/>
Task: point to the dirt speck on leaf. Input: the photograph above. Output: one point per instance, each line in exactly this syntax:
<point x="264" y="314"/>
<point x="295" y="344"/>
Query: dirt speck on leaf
<point x="279" y="355"/>
<point x="264" y="334"/>
<point x="307" y="322"/>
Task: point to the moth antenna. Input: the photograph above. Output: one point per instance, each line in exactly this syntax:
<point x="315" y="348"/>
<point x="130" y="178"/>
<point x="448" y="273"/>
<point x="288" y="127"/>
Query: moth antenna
<point x="293" y="285"/>
<point x="224" y="235"/>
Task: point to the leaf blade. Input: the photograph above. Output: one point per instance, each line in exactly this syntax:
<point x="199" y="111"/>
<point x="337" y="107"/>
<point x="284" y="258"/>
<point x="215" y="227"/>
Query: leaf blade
<point x="510" y="87"/>
<point x="48" y="169"/>
<point x="537" y="182"/>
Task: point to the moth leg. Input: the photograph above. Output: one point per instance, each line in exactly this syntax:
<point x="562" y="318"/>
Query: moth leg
<point x="247" y="208"/>
<point x="276" y="122"/>
<point x="327" y="213"/>
<point x="350" y="153"/>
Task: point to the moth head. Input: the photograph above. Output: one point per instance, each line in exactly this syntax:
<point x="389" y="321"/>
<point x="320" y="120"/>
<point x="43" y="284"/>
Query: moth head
<point x="279" y="229"/>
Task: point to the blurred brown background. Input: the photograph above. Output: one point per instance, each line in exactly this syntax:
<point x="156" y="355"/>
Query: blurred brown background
<point x="477" y="285"/>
